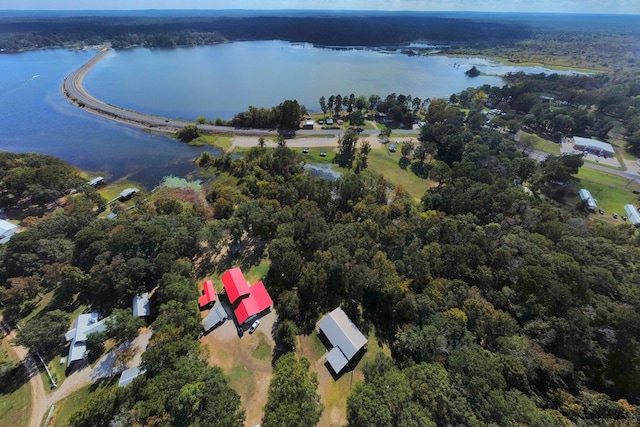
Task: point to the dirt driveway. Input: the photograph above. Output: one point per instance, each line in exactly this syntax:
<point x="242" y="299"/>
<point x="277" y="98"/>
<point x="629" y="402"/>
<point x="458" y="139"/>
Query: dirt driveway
<point x="246" y="360"/>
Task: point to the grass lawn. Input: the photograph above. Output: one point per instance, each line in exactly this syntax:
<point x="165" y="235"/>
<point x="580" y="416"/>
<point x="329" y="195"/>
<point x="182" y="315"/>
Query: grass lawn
<point x="241" y="380"/>
<point x="381" y="162"/>
<point x="221" y="141"/>
<point x="15" y="402"/>
<point x="113" y="190"/>
<point x="257" y="272"/>
<point x="610" y="191"/>
<point x="621" y="150"/>
<point x="544" y="145"/>
<point x="263" y="351"/>
<point x="68" y="406"/>
<point x="41" y="305"/>
<point x="315" y="346"/>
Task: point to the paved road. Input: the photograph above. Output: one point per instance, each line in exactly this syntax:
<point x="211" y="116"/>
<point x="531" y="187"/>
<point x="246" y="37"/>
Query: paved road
<point x="628" y="174"/>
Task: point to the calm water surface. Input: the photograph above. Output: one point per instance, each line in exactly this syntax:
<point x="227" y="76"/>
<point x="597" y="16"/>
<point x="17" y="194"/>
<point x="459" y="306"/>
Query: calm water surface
<point x="222" y="80"/>
<point x="213" y="81"/>
<point x="35" y="117"/>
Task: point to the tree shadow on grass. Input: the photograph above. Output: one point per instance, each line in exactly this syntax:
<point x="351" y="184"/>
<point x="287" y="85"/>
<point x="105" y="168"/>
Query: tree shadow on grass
<point x="12" y="379"/>
<point x="248" y="253"/>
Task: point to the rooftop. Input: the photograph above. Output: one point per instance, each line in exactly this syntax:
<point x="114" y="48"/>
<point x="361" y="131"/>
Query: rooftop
<point x="235" y="284"/>
<point x="85" y="325"/>
<point x="593" y="144"/>
<point x="141" y="305"/>
<point x="344" y="336"/>
<point x="216" y="315"/>
<point x="208" y="295"/>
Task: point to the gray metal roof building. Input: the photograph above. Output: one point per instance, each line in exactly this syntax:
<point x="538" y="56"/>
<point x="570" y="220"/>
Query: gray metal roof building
<point x="591" y="202"/>
<point x="343" y="335"/>
<point x="632" y="215"/>
<point x="129" y="375"/>
<point x="141" y="306"/>
<point x="593" y="145"/>
<point x="86" y="324"/>
<point x="216" y="315"/>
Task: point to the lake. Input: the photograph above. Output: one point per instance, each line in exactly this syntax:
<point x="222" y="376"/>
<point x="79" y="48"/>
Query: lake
<point x="37" y="118"/>
<point x="213" y="81"/>
<point x="222" y="80"/>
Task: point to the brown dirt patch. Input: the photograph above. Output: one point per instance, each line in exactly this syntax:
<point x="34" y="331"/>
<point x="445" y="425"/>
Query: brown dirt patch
<point x="249" y="375"/>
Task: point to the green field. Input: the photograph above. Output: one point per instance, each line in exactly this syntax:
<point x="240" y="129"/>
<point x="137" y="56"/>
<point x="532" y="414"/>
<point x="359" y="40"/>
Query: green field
<point x="15" y="403"/>
<point x="381" y="162"/>
<point x="611" y="192"/>
<point x="113" y="190"/>
<point x="544" y="145"/>
<point x="221" y="141"/>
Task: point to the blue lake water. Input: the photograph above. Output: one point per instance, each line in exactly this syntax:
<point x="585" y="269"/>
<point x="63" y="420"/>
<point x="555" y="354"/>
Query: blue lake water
<point x="35" y="117"/>
<point x="213" y="81"/>
<point x="222" y="80"/>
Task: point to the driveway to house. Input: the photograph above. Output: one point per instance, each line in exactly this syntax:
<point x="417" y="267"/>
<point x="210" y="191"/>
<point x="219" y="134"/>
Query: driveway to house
<point x="41" y="400"/>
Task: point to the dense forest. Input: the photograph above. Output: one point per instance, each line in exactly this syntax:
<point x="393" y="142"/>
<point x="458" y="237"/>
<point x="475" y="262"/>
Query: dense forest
<point x="29" y="32"/>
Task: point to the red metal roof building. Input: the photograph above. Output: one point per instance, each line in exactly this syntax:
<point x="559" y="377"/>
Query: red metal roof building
<point x="208" y="296"/>
<point x="249" y="301"/>
<point x="235" y="284"/>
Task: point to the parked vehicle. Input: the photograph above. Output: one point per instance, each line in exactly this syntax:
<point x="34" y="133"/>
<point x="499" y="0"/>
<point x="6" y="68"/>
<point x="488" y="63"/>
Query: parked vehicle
<point x="254" y="326"/>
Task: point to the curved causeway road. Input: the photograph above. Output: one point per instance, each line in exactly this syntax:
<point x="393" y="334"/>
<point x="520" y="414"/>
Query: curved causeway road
<point x="74" y="91"/>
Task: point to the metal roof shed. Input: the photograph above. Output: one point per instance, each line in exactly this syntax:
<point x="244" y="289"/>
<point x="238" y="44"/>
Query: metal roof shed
<point x="141" y="305"/>
<point x="344" y="337"/>
<point x="129" y="375"/>
<point x="632" y="215"/>
<point x="7" y="230"/>
<point x="216" y="316"/>
<point x="585" y="195"/>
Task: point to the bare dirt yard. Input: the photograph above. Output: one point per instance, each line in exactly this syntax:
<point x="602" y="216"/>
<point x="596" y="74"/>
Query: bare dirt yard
<point x="246" y="360"/>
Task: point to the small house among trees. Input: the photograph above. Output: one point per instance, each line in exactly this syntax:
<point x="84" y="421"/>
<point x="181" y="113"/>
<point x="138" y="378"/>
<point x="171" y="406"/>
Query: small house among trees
<point x="128" y="192"/>
<point x="7" y="230"/>
<point x="86" y="324"/>
<point x="141" y="305"/>
<point x="346" y="340"/>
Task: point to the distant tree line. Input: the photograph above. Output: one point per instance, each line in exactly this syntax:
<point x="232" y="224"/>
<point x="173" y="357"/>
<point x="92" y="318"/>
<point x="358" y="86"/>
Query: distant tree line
<point x="29" y="32"/>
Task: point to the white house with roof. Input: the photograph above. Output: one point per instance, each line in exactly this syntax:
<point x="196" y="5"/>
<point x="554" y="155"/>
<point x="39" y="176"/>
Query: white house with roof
<point x="7" y="230"/>
<point x="585" y="195"/>
<point x="632" y="214"/>
<point x="593" y="146"/>
<point x="85" y="325"/>
<point x="345" y="339"/>
<point x="128" y="192"/>
<point x="141" y="305"/>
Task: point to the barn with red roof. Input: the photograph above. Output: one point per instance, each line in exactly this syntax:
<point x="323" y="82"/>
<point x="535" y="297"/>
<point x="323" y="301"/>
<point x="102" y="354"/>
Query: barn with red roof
<point x="208" y="296"/>
<point x="247" y="301"/>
